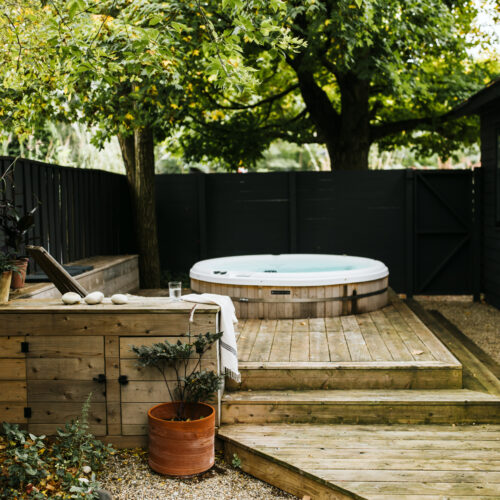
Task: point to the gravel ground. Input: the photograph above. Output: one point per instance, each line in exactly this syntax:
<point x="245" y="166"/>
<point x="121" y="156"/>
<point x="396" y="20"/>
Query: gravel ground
<point x="127" y="476"/>
<point x="478" y="320"/>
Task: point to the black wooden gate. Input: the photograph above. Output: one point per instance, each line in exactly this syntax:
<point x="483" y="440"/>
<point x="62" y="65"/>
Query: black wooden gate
<point x="443" y="232"/>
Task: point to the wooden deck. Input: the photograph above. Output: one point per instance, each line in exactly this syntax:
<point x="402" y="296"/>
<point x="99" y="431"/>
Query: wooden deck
<point x="389" y="377"/>
<point x="386" y="349"/>
<point x="393" y="333"/>
<point x="373" y="462"/>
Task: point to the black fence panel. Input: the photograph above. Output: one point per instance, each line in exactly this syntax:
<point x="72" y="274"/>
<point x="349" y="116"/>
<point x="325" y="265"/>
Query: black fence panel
<point x="424" y="225"/>
<point x="81" y="213"/>
<point x="421" y="224"/>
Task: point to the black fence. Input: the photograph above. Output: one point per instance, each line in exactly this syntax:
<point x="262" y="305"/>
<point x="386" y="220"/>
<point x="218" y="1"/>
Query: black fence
<point x="81" y="213"/>
<point x="422" y="224"/>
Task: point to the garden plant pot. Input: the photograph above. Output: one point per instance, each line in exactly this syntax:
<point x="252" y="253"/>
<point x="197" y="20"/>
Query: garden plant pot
<point x="19" y="276"/>
<point x="181" y="448"/>
<point x="5" y="279"/>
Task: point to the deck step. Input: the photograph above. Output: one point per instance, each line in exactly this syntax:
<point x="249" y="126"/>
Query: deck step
<point x="447" y="406"/>
<point x="370" y="461"/>
<point x="348" y="375"/>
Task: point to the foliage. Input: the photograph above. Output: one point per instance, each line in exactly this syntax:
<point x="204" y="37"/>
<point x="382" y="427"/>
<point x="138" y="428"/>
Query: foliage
<point x="14" y="225"/>
<point x="192" y="385"/>
<point x="121" y="64"/>
<point x="236" y="461"/>
<point x="63" y="144"/>
<point x="368" y="74"/>
<point x="34" y="467"/>
<point x="6" y="264"/>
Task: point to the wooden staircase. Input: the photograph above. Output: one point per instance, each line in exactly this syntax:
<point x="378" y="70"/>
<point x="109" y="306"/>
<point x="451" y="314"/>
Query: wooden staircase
<point x="302" y="381"/>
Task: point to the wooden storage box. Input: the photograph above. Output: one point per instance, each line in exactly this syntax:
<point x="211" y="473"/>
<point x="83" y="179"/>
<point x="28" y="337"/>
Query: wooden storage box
<point x="52" y="356"/>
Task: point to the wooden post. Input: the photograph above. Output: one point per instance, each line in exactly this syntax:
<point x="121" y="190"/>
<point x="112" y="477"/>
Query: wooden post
<point x="410" y="231"/>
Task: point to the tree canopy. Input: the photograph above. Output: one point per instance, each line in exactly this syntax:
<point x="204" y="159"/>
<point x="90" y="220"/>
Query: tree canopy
<point x="384" y="72"/>
<point x="125" y="66"/>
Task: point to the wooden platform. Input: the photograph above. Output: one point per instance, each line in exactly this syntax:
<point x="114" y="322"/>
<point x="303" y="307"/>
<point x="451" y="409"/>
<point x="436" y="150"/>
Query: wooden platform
<point x="389" y="348"/>
<point x="372" y="462"/>
<point x="110" y="274"/>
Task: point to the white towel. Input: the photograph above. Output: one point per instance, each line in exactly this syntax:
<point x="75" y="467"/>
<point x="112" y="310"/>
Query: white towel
<point x="229" y="352"/>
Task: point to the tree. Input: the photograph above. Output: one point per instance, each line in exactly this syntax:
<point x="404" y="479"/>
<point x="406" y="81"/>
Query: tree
<point x="121" y="65"/>
<point x="370" y="72"/>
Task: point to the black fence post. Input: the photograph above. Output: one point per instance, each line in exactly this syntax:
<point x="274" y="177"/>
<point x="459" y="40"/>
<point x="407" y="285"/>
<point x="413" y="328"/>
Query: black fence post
<point x="410" y="232"/>
<point x="292" y="211"/>
<point x="202" y="213"/>
<point x="477" y="230"/>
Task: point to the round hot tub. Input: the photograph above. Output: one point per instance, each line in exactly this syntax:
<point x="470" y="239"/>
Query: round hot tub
<point x="294" y="285"/>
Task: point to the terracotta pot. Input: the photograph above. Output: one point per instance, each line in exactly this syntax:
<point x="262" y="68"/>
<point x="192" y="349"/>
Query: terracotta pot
<point x="19" y="276"/>
<point x="5" y="279"/>
<point x="181" y="448"/>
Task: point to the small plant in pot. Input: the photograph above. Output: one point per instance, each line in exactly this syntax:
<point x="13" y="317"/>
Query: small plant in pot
<point x="7" y="269"/>
<point x="15" y="227"/>
<point x="182" y="432"/>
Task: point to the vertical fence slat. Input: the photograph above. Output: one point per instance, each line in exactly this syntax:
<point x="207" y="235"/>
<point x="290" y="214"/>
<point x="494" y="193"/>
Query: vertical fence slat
<point x="410" y="231"/>
<point x="292" y="210"/>
<point x="64" y="215"/>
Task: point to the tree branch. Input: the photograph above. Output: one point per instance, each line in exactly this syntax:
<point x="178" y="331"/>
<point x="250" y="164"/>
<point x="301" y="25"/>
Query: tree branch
<point x="260" y="103"/>
<point x="384" y="129"/>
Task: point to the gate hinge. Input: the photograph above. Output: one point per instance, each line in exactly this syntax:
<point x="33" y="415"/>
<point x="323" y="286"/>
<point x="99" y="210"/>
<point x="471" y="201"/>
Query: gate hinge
<point x="27" y="412"/>
<point x="25" y="347"/>
<point x="123" y="379"/>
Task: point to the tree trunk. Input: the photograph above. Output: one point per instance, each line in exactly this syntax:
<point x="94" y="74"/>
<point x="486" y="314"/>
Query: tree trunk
<point x="350" y="146"/>
<point x="138" y="156"/>
<point x="349" y="154"/>
<point x="346" y="134"/>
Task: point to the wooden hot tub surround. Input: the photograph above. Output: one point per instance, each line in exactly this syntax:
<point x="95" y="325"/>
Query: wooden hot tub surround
<point x="293" y="302"/>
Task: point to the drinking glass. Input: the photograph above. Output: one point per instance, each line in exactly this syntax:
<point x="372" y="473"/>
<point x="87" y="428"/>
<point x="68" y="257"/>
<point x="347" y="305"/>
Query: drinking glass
<point x="175" y="289"/>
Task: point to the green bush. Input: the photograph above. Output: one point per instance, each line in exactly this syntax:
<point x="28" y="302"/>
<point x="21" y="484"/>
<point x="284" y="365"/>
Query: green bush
<point x="34" y="467"/>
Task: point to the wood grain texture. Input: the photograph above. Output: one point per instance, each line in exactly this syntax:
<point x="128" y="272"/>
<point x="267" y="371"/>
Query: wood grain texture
<point x="397" y="462"/>
<point x="300" y="301"/>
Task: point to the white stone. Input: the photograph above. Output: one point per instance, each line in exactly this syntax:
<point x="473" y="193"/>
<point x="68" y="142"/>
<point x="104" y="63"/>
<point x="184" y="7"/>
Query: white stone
<point x="86" y="469"/>
<point x="94" y="298"/>
<point x="119" y="298"/>
<point x="71" y="298"/>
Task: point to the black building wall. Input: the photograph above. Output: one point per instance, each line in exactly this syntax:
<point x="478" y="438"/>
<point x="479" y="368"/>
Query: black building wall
<point x="490" y="130"/>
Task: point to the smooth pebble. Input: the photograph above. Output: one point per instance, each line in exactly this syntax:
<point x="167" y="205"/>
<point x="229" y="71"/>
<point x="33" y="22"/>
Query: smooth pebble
<point x="119" y="298"/>
<point x="71" y="298"/>
<point x="94" y="298"/>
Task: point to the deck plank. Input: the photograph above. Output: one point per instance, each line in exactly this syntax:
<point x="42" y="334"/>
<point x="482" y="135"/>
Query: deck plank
<point x="337" y="343"/>
<point x="264" y="340"/>
<point x="417" y="348"/>
<point x="299" y="350"/>
<point x="373" y="339"/>
<point x="355" y="341"/>
<point x="318" y="342"/>
<point x="392" y="340"/>
<point x="403" y="462"/>
<point x="434" y="345"/>
<point x="280" y="350"/>
<point x="247" y="339"/>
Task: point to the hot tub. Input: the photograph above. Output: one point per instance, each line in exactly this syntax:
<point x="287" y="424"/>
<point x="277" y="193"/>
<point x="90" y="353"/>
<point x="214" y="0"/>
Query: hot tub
<point x="295" y="285"/>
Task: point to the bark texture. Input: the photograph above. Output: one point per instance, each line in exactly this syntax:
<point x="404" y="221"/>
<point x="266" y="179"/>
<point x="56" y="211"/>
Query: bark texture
<point x="138" y="156"/>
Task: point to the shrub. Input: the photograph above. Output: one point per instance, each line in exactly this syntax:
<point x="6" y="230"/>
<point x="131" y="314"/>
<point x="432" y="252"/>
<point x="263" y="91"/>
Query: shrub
<point x="191" y="385"/>
<point x="32" y="467"/>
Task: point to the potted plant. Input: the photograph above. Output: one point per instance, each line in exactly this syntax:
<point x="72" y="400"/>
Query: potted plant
<point x="15" y="227"/>
<point x="182" y="431"/>
<point x="7" y="268"/>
